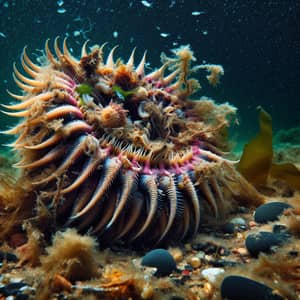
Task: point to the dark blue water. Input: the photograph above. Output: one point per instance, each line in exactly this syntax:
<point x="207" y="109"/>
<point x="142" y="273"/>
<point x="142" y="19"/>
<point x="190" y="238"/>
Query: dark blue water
<point x="257" y="42"/>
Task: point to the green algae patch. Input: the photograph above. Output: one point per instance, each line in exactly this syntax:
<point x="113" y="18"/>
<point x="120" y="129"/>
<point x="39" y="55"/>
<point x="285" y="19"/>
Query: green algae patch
<point x="256" y="160"/>
<point x="122" y="94"/>
<point x="84" y="88"/>
<point x="287" y="172"/>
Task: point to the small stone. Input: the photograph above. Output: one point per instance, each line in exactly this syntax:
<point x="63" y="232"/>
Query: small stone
<point x="270" y="211"/>
<point x="238" y="221"/>
<point x="293" y="253"/>
<point x="228" y="228"/>
<point x="224" y="252"/>
<point x="188" y="267"/>
<point x="10" y="257"/>
<point x="195" y="262"/>
<point x="207" y="247"/>
<point x="11" y="288"/>
<point x="160" y="259"/>
<point x="243" y="209"/>
<point x="279" y="228"/>
<point x="239" y="287"/>
<point x="264" y="242"/>
<point x="176" y="298"/>
<point x="211" y="274"/>
<point x="252" y="224"/>
<point x="185" y="273"/>
<point x="177" y="254"/>
<point x="223" y="263"/>
<point x="200" y="254"/>
<point x="21" y="297"/>
<point x="240" y="251"/>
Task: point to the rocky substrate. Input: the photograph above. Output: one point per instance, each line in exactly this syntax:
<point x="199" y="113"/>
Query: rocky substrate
<point x="254" y="254"/>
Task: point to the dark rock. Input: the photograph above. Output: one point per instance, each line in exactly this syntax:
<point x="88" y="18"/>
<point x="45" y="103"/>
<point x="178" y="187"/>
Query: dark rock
<point x="178" y="281"/>
<point x="235" y="225"/>
<point x="243" y="209"/>
<point x="21" y="297"/>
<point x="242" y="228"/>
<point x="264" y="242"/>
<point x="239" y="287"/>
<point x="228" y="228"/>
<point x="279" y="228"/>
<point x="176" y="298"/>
<point x="12" y="288"/>
<point x="223" y="263"/>
<point x="188" y="267"/>
<point x="238" y="221"/>
<point x="206" y="247"/>
<point x="224" y="251"/>
<point x="160" y="259"/>
<point x="10" y="257"/>
<point x="293" y="253"/>
<point x="270" y="211"/>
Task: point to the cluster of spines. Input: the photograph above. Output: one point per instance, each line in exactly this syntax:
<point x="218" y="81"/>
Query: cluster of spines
<point x="54" y="89"/>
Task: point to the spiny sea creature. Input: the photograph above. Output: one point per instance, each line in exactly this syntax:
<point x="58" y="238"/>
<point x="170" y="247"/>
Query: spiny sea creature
<point x="120" y="153"/>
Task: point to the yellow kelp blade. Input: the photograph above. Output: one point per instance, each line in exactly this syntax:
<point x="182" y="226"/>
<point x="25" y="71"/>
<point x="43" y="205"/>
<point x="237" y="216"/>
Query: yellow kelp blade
<point x="287" y="172"/>
<point x="256" y="159"/>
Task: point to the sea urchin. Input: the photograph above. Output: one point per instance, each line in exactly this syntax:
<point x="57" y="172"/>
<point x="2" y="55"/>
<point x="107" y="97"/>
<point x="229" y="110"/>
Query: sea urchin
<point x="123" y="154"/>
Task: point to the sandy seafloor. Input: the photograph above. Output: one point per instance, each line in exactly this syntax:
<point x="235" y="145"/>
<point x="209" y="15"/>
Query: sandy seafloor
<point x="73" y="267"/>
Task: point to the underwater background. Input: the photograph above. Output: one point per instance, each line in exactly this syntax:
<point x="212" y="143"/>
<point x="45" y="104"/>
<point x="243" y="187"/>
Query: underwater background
<point x="257" y="42"/>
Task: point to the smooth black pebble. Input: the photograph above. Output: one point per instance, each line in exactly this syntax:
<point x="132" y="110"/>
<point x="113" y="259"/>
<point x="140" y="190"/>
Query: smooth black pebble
<point x="264" y="241"/>
<point x="12" y="288"/>
<point x="229" y="228"/>
<point x="21" y="297"/>
<point x="242" y="288"/>
<point x="270" y="211"/>
<point x="160" y="259"/>
<point x="10" y="257"/>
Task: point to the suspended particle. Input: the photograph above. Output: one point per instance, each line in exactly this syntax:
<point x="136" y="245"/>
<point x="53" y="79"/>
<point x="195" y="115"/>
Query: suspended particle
<point x="164" y="34"/>
<point x="198" y="13"/>
<point x="146" y="3"/>
<point x="61" y="10"/>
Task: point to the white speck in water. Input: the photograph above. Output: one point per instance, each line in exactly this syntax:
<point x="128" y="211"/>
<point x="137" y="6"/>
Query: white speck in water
<point x="76" y="33"/>
<point x="2" y="35"/>
<point x="77" y="19"/>
<point x="204" y="32"/>
<point x="60" y="3"/>
<point x="146" y="3"/>
<point x="5" y="4"/>
<point x="198" y="13"/>
<point x="61" y="10"/>
<point x="172" y="4"/>
<point x="164" y="35"/>
<point x="115" y="34"/>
